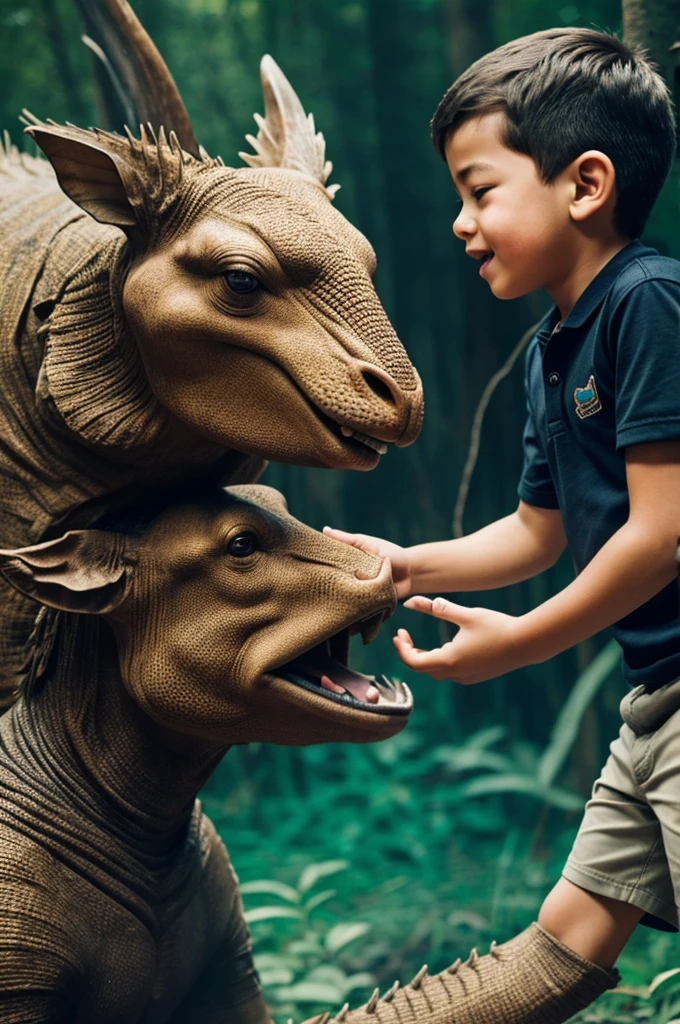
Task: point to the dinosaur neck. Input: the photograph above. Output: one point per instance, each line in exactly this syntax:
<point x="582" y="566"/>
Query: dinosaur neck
<point x="140" y="777"/>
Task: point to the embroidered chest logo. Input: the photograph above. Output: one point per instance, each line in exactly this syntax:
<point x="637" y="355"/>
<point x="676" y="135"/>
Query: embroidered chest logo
<point x="587" y="399"/>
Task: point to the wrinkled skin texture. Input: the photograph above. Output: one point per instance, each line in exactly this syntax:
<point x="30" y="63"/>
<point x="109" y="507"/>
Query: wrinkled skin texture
<point x="532" y="979"/>
<point x="128" y="360"/>
<point x="117" y="899"/>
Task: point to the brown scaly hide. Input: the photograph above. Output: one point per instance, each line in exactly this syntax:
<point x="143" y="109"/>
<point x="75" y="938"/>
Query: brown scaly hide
<point x="532" y="979"/>
<point x="130" y="362"/>
<point x="117" y="900"/>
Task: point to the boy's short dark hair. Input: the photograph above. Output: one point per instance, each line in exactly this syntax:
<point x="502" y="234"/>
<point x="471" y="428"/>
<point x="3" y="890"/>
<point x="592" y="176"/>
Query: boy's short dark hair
<point x="567" y="90"/>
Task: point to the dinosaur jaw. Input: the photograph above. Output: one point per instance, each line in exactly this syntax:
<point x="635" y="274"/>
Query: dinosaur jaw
<point x="324" y="670"/>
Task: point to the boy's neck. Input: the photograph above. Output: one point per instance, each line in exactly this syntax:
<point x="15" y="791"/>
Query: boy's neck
<point x="589" y="261"/>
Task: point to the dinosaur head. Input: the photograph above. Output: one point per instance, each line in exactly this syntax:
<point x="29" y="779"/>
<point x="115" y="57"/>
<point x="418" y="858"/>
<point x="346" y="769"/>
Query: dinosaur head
<point x="249" y="296"/>
<point x="232" y="619"/>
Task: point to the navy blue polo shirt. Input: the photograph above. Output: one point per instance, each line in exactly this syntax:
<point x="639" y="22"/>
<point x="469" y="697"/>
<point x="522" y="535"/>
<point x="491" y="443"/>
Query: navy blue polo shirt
<point x="606" y="378"/>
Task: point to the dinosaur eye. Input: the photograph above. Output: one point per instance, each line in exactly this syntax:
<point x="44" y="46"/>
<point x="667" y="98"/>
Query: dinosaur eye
<point x="242" y="282"/>
<point x="242" y="545"/>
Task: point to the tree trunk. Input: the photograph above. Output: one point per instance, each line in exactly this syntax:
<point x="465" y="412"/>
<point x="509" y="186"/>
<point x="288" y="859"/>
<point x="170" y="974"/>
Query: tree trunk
<point x="655" y="25"/>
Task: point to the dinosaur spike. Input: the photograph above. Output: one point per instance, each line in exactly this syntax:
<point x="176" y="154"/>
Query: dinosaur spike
<point x="130" y="137"/>
<point x="28" y="118"/>
<point x="341" y="1014"/>
<point x="152" y="133"/>
<point x="453" y="969"/>
<point x="389" y="995"/>
<point x="373" y="1001"/>
<point x="174" y="142"/>
<point x="204" y="155"/>
<point x="472" y="959"/>
<point x="162" y="138"/>
<point x="417" y="981"/>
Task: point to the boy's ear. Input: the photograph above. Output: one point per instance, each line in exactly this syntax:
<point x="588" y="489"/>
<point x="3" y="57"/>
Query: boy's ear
<point x="91" y="169"/>
<point x="84" y="571"/>
<point x="594" y="180"/>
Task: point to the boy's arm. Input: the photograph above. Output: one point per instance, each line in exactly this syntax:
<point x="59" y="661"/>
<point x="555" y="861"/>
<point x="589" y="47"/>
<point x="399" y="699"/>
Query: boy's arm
<point x="634" y="564"/>
<point x="507" y="551"/>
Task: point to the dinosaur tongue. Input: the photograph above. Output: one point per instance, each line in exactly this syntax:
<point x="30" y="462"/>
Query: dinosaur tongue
<point x="333" y="675"/>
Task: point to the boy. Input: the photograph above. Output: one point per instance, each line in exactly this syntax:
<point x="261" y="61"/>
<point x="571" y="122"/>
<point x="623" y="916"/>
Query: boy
<point x="558" y="144"/>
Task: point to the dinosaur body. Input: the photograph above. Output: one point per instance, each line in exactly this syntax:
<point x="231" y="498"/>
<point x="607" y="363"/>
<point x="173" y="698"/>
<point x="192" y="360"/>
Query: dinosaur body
<point x="117" y="899"/>
<point x="169" y="319"/>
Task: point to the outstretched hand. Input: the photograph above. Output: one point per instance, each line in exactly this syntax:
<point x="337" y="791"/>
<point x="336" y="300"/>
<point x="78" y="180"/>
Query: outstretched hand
<point x="486" y="645"/>
<point x="401" y="573"/>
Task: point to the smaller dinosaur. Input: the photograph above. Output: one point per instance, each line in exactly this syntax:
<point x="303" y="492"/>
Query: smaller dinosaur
<point x="221" y="620"/>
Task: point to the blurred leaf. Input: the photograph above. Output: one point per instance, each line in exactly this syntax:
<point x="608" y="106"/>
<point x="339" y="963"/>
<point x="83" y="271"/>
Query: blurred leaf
<point x="272" y="888"/>
<point x="313" y="872"/>
<point x="660" y="979"/>
<point x="567" y="726"/>
<point x="342" y="934"/>
<point x="485" y="785"/>
<point x="268" y="913"/>
<point x="309" y="992"/>
<point x="276" y="976"/>
<point x="360" y="980"/>
<point x="321" y="897"/>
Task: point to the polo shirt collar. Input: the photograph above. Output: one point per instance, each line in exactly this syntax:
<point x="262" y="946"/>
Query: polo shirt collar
<point x="594" y="295"/>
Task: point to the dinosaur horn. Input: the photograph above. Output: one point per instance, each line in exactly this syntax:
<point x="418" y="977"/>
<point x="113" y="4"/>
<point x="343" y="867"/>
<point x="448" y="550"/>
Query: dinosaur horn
<point x="287" y="136"/>
<point x="138" y="72"/>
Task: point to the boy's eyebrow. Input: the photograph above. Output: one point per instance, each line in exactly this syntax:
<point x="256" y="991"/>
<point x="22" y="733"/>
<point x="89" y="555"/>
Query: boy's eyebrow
<point x="478" y="165"/>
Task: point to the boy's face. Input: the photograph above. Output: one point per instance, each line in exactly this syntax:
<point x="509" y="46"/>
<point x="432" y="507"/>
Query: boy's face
<point x="518" y="227"/>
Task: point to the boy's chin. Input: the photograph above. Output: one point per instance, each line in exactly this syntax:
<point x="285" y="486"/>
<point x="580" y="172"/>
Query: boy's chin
<point x="508" y="289"/>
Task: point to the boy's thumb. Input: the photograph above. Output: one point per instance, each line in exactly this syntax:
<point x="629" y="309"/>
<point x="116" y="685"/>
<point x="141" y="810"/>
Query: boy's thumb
<point x="443" y="609"/>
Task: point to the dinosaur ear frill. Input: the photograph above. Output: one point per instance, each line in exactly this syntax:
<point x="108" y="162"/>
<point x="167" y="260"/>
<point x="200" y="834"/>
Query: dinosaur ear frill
<point x="122" y="181"/>
<point x="287" y="136"/>
<point x="84" y="571"/>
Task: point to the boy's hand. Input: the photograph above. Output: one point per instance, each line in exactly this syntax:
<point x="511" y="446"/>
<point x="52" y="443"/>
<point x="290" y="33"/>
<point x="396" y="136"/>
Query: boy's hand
<point x="486" y="645"/>
<point x="401" y="572"/>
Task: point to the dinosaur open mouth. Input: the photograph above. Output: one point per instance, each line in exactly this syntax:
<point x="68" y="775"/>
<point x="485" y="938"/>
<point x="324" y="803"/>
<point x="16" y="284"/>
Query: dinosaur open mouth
<point x="325" y="670"/>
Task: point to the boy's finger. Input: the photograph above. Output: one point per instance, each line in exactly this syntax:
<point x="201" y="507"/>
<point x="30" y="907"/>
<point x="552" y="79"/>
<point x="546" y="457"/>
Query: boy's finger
<point x="418" y="603"/>
<point x="440" y="608"/>
<point x="420" y="661"/>
<point x="330" y="531"/>
<point x="405" y="636"/>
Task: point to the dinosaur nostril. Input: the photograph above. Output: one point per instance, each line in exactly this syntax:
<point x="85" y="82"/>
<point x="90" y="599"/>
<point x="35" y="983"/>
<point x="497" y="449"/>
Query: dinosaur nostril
<point x="378" y="387"/>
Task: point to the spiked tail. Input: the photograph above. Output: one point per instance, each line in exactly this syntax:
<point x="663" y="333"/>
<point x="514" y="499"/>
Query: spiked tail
<point x="533" y="979"/>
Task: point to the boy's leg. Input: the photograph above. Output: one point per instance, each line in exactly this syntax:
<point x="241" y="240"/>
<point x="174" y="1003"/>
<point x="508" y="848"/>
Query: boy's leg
<point x="596" y="927"/>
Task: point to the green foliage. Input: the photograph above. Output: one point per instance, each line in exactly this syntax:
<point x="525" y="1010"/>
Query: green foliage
<point x="359" y="864"/>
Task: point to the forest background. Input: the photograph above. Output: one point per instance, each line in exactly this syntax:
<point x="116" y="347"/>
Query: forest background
<point x="359" y="863"/>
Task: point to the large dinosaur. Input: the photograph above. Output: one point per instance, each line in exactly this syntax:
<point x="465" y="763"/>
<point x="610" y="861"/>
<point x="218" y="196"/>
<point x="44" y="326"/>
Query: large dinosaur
<point x="170" y="318"/>
<point x="222" y="621"/>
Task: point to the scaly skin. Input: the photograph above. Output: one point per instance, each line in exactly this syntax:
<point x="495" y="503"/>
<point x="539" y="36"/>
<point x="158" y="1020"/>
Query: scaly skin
<point x="117" y="899"/>
<point x="129" y="360"/>
<point x="532" y="979"/>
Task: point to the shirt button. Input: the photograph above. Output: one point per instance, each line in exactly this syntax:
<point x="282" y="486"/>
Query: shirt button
<point x="554" y="379"/>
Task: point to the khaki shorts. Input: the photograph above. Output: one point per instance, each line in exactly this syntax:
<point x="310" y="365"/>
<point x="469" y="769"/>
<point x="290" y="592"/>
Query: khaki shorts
<point x="628" y="845"/>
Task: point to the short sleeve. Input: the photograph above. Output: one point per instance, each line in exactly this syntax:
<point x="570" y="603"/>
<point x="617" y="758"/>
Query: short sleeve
<point x="536" y="485"/>
<point x="645" y="340"/>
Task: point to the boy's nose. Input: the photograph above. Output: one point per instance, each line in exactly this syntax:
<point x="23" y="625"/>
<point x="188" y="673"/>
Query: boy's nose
<point x="463" y="226"/>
